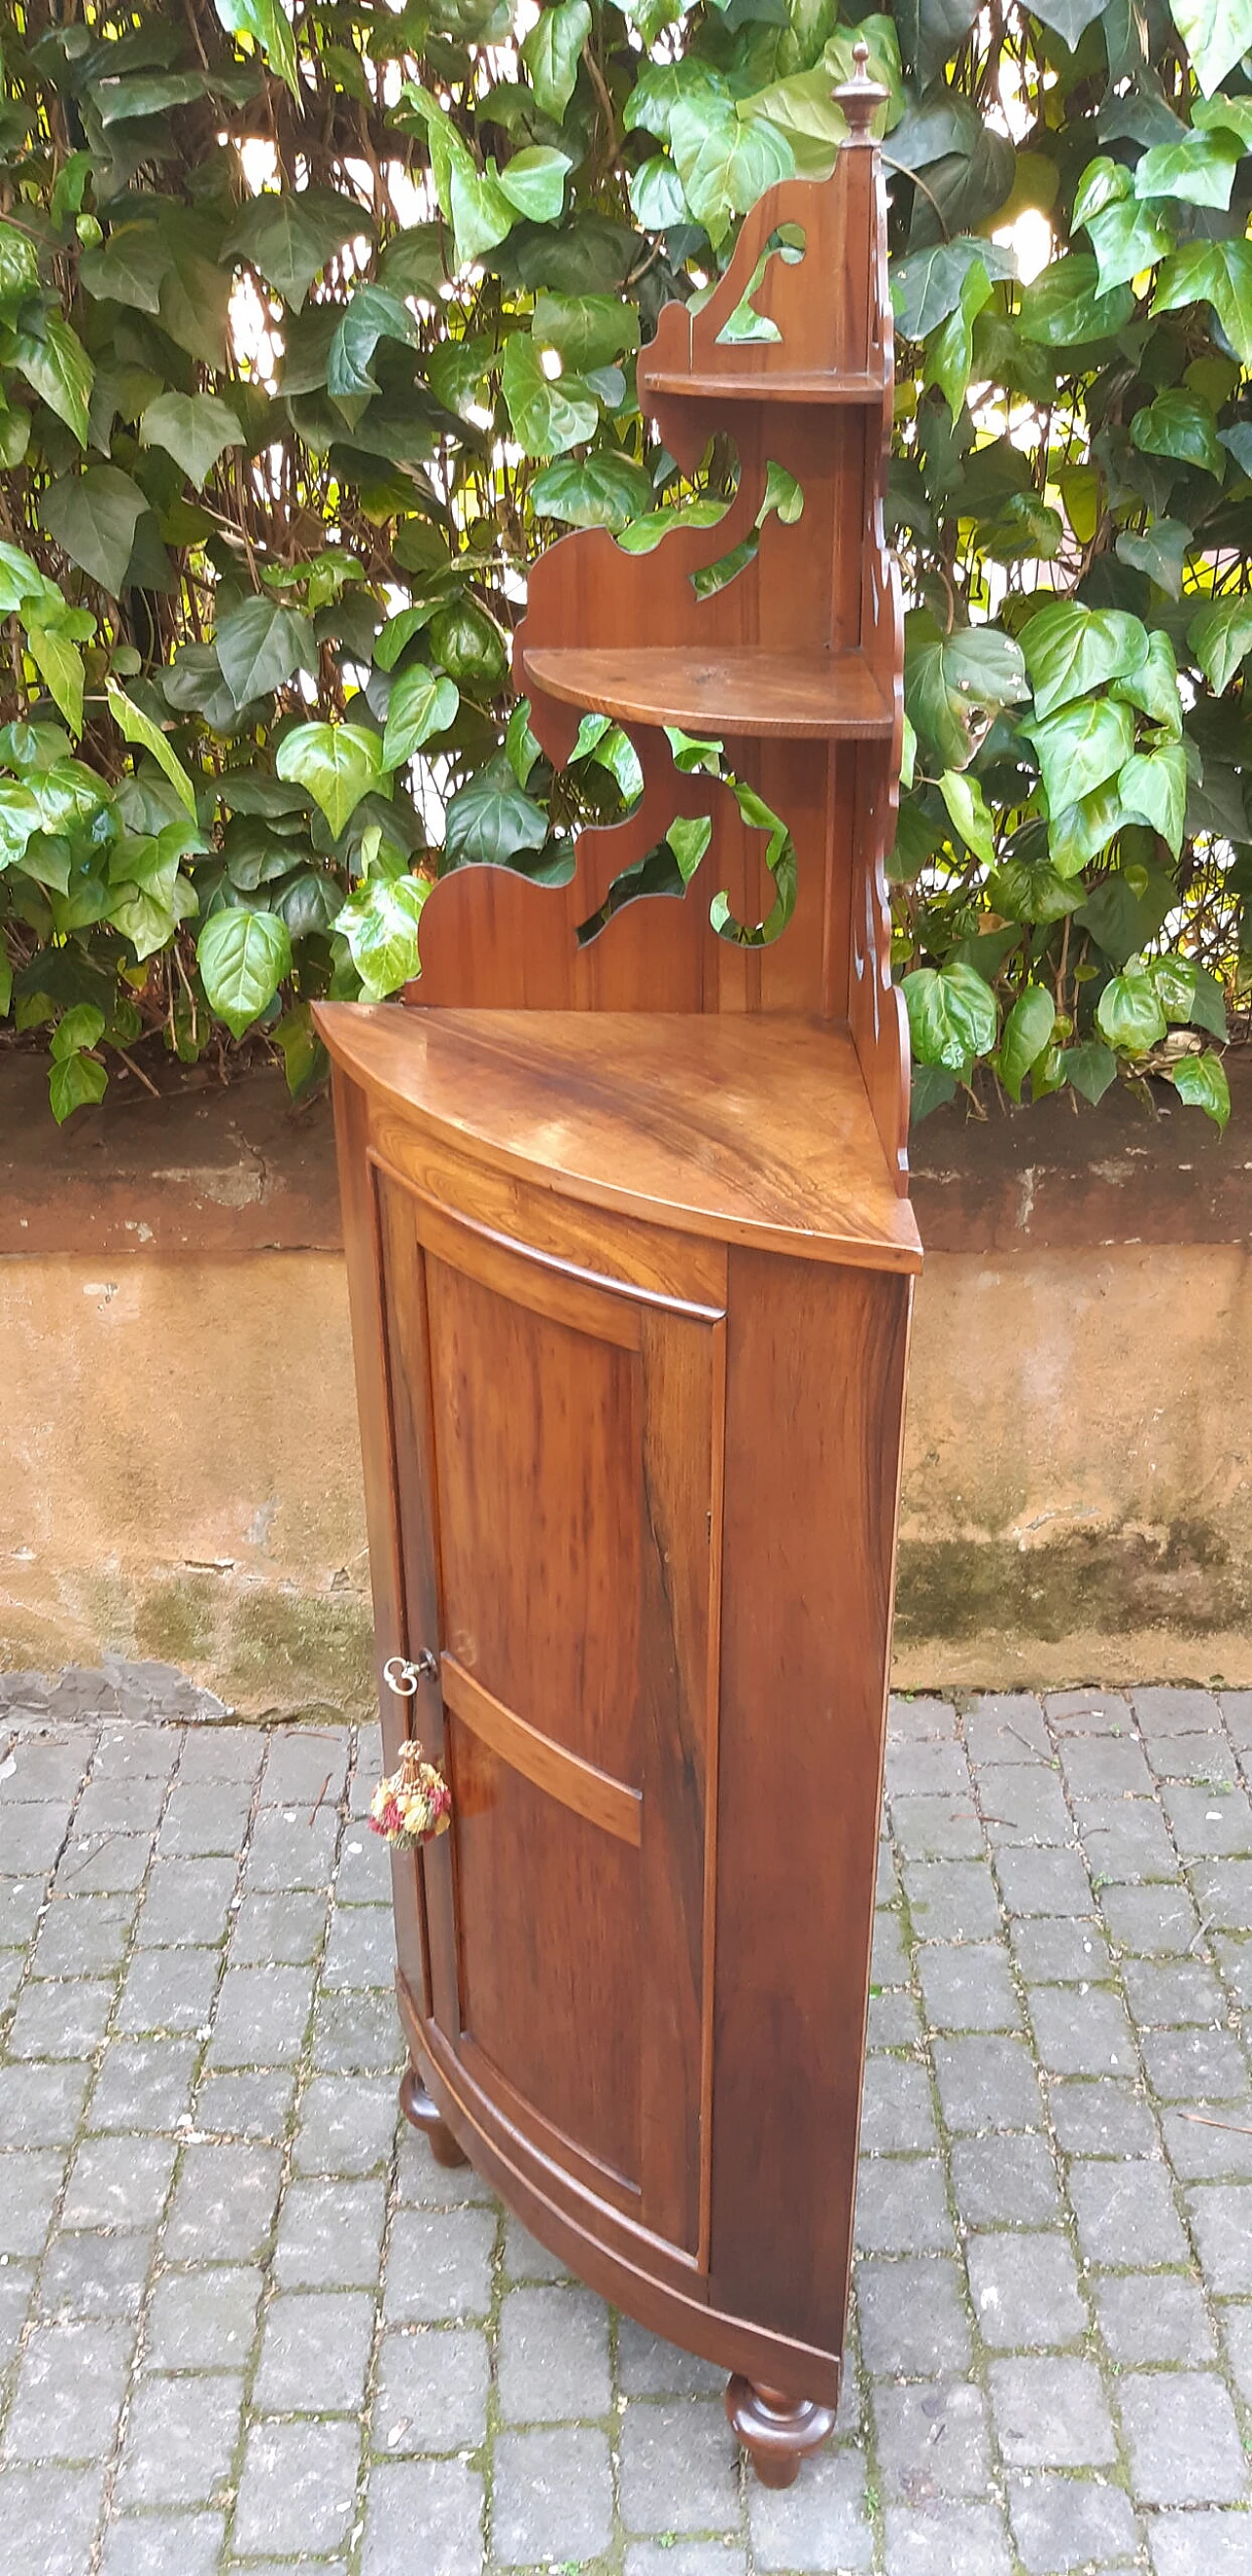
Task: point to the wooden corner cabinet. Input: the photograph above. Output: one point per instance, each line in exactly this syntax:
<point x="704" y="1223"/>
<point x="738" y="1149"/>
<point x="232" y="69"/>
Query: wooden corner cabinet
<point x="631" y="1259"/>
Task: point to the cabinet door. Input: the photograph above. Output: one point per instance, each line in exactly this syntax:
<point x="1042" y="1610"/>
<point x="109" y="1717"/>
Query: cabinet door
<point x="558" y="1455"/>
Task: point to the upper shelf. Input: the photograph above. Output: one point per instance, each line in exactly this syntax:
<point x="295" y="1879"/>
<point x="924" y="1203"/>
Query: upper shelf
<point x="749" y="1127"/>
<point x="739" y="689"/>
<point x="756" y="385"/>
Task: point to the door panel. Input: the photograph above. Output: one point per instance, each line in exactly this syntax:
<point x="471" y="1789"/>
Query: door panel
<point x="561" y="1504"/>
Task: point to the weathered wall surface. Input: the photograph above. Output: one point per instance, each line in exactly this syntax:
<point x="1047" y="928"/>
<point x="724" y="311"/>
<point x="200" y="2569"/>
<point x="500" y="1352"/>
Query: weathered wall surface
<point x="180" y="1474"/>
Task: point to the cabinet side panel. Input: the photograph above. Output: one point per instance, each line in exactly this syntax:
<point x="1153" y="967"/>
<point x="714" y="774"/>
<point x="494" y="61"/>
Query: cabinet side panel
<point x="815" y="1383"/>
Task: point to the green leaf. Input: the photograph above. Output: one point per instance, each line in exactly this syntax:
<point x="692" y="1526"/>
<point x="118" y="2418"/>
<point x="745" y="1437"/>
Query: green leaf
<point x="725" y="164"/>
<point x="1090" y="1069"/>
<point x="1027" y="1031"/>
<point x="1215" y="33"/>
<point x="534" y="183"/>
<point x="81" y="1026"/>
<point x="260" y="645"/>
<point x="338" y="764"/>
<point x="20" y="579"/>
<point x="1129" y="1011"/>
<point x="290" y="237"/>
<point x="952" y="1015"/>
<point x="953" y="684"/>
<point x="585" y="330"/>
<point x="490" y="820"/>
<point x="131" y="267"/>
<point x="1080" y="831"/>
<point x="1065" y="307"/>
<point x="656" y="195"/>
<point x="1154" y="786"/>
<point x="1217" y="273"/>
<point x="422" y="704"/>
<point x="270" y="28"/>
<point x="93" y="517"/>
<point x="604" y="491"/>
<point x="1190" y="995"/>
<point x="1104" y="182"/>
<point x="1200" y="1080"/>
<point x="380" y="924"/>
<point x="1153" y="685"/>
<point x="1199" y="168"/>
<point x="60" y="666"/>
<point x="1179" y="424"/>
<point x="19" y="263"/>
<point x="243" y="957"/>
<point x="137" y="727"/>
<point x="1127" y="239"/>
<point x="950" y="349"/>
<point x="1159" y="550"/>
<point x="370" y="315"/>
<point x="1221" y="638"/>
<point x="1080" y="747"/>
<point x="927" y="286"/>
<point x="548" y="414"/>
<point x="1030" y="890"/>
<point x="75" y="1082"/>
<point x="967" y="807"/>
<point x="1070" y="650"/>
<point x="551" y="51"/>
<point x="57" y="367"/>
<point x="195" y="429"/>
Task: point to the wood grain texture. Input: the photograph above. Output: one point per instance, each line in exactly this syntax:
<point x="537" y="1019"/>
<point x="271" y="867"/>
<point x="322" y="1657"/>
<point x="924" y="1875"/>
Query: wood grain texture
<point x="737" y="690"/>
<point x="607" y="1803"/>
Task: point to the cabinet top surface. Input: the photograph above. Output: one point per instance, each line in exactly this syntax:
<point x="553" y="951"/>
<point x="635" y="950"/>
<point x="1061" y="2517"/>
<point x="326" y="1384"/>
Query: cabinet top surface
<point x="754" y="1129"/>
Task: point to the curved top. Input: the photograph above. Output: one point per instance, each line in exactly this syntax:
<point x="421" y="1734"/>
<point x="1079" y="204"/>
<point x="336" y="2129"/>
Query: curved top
<point x="733" y="1126"/>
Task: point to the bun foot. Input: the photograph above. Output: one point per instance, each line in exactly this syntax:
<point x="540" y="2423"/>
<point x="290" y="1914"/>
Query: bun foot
<point x="776" y="2431"/>
<point x="418" y="2108"/>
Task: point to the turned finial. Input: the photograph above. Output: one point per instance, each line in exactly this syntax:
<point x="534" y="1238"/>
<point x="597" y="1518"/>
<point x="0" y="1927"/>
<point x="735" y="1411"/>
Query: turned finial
<point x="860" y="97"/>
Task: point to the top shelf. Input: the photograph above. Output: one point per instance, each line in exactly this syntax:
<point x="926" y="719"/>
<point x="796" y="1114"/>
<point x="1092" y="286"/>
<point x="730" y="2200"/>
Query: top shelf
<point x="734" y="689"/>
<point x="755" y="385"/>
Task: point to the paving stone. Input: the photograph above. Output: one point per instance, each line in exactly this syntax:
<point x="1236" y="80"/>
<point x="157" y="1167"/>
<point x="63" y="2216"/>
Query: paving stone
<point x="1203" y="1758"/>
<point x="17" y="2287"/>
<point x="1223" y="1890"/>
<point x="33" y="1835"/>
<point x="1201" y="2544"/>
<point x="433" y="2385"/>
<point x="1182" y="1992"/>
<point x="927" y="1768"/>
<point x="1126" y="2214"/>
<point x="525" y="2259"/>
<point x="1153" y="2316"/>
<point x="968" y="1987"/>
<point x="987" y="2084"/>
<point x="347" y="2125"/>
<point x="167" y="2544"/>
<point x="203" y="2319"/>
<point x="222" y="1753"/>
<point x="1236" y="2326"/>
<point x="1125" y="1838"/>
<point x="901" y="2206"/>
<point x="185" y="1901"/>
<point x="204" y="1819"/>
<point x="118" y="2182"/>
<point x="119" y="1806"/>
<point x="1236" y="1709"/>
<point x="934" y="2542"/>
<point x="84" y="1936"/>
<point x="169" y="1990"/>
<point x="297" y="1855"/>
<point x="329" y="2236"/>
<point x="1196" y="2065"/>
<point x="363" y="1876"/>
<point x="1047" y="1881"/>
<point x="41" y="2106"/>
<point x="1005" y="2181"/>
<point x="1101" y="1766"/>
<point x="69" y="2392"/>
<point x="552" y="2495"/>
<point x="62" y="2020"/>
<point x="144" y="2084"/>
<point x="1078" y="2034"/>
<point x="889" y="1965"/>
<point x="1168" y="1710"/>
<point x="1008" y="1726"/>
<point x="47" y="1768"/>
<point x="108" y="1864"/>
<point x="254" y="2103"/>
<point x="357" y="2032"/>
<point x="87" y="2273"/>
<point x="553" y="2363"/>
<point x="30" y="2179"/>
<point x="931" y="2440"/>
<point x="1051" y="2414"/>
<point x="180" y="2439"/>
<point x="678" y="2468"/>
<point x="647" y="2366"/>
<point x="224" y="2203"/>
<point x="441" y="2499"/>
<point x="419" y="2180"/>
<point x="952" y="1900"/>
<point x="819" y="2524"/>
<point x="1212" y="2146"/>
<point x="1209" y="1822"/>
<point x="913" y="2318"/>
<point x="921" y="1719"/>
<point x="261" y="2017"/>
<point x="1221" y="2217"/>
<point x="936" y="1828"/>
<point x="1182" y="2437"/>
<point x="685" y="2558"/>
<point x="305" y="1764"/>
<point x="1025" y="2291"/>
<point x="1023" y="1803"/>
<point x="438" y="2266"/>
<point x="279" y="1931"/>
<point x="896" y="2110"/>
<point x="1234" y="1958"/>
<point x="136" y="1750"/>
<point x="1050" y="1951"/>
<point x="1101" y="2118"/>
<point x="1064" y="2523"/>
<point x="894" y="2021"/>
<point x="298" y="2488"/>
<point x="361" y="1950"/>
<point x="1088" y="1712"/>
<point x="55" y="2511"/>
<point x="315" y="2352"/>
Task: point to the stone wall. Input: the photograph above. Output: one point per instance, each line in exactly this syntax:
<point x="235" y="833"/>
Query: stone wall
<point x="179" y="1470"/>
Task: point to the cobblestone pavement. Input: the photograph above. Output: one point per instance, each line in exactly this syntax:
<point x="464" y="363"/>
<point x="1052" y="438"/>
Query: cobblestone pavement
<point x="246" y="2322"/>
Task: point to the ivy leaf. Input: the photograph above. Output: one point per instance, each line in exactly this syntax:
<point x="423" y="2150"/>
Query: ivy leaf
<point x="58" y="369"/>
<point x="422" y="703"/>
<point x="1217" y="273"/>
<point x="656" y="195"/>
<point x="1153" y="785"/>
<point x="1200" y="1080"/>
<point x="1189" y="994"/>
<point x="548" y="414"/>
<point x="260" y="645"/>
<point x="952" y="1015"/>
<point x="725" y="164"/>
<point x="967" y="807"/>
<point x="60" y="666"/>
<point x="1153" y="685"/>
<point x="19" y="263"/>
<point x="551" y="51"/>
<point x="490" y="820"/>
<point x="1215" y="33"/>
<point x="267" y="23"/>
<point x="290" y="237"/>
<point x="1158" y="550"/>
<point x="1104" y="182"/>
<point x="1179" y="424"/>
<point x="1220" y="638"/>
<point x="339" y="764"/>
<point x="1126" y="240"/>
<point x="1066" y="308"/>
<point x="1199" y="168"/>
<point x="927" y="286"/>
<point x="585" y="330"/>
<point x="534" y="183"/>
<point x="1071" y="650"/>
<point x="931" y="31"/>
<point x="953" y="684"/>
<point x="93" y="517"/>
<point x="1080" y="831"/>
<point x="380" y="924"/>
<point x="75" y="1082"/>
<point x="137" y="727"/>
<point x="1129" y="1012"/>
<point x="243" y="957"/>
<point x="82" y="1026"/>
<point x="603" y="491"/>
<point x="370" y="315"/>
<point x="1080" y="747"/>
<point x="20" y="579"/>
<point x="195" y="429"/>
<point x="1068" y="18"/>
<point x="1027" y="1031"/>
<point x="131" y="267"/>
<point x="1090" y="1069"/>
<point x="950" y="349"/>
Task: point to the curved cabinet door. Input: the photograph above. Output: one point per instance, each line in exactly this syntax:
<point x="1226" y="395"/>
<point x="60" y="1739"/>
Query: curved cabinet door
<point x="558" y="1443"/>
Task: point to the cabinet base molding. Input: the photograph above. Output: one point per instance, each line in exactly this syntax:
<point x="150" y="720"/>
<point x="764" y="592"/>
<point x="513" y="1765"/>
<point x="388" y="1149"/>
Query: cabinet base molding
<point x="777" y="2432"/>
<point x="423" y="2114"/>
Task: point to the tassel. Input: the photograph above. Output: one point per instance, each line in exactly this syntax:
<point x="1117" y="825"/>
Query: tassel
<point x="412" y="1804"/>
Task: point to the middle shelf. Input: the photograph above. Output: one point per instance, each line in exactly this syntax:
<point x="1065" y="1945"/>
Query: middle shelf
<point x="736" y="689"/>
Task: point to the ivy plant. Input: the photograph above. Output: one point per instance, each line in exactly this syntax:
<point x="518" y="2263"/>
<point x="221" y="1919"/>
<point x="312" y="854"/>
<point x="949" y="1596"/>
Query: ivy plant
<point x="318" y="320"/>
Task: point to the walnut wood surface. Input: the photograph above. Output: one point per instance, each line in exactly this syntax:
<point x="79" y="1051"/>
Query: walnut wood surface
<point x="737" y="690"/>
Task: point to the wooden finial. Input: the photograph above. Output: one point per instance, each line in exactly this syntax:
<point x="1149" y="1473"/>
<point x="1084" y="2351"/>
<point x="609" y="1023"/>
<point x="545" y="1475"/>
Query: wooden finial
<point x="860" y="97"/>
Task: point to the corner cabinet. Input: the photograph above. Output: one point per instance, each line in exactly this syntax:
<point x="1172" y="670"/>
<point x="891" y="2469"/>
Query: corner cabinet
<point x="630" y="1263"/>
